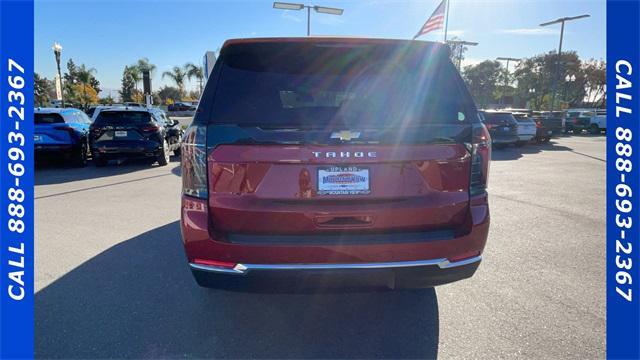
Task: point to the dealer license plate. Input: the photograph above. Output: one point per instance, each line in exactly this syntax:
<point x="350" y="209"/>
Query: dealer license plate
<point x="343" y="180"/>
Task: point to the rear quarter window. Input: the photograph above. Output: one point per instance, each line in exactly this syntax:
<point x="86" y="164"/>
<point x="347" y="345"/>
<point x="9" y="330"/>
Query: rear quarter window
<point x="48" y="118"/>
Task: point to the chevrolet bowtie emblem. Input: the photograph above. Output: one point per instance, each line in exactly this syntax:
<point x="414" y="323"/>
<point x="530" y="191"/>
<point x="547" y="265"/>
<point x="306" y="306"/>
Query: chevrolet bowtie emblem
<point x="345" y="135"/>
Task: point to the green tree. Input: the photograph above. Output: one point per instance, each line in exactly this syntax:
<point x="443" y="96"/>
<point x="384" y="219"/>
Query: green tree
<point x="194" y="71"/>
<point x="41" y="90"/>
<point x="168" y="92"/>
<point x="79" y="75"/>
<point x="178" y="75"/>
<point x="536" y="75"/>
<point x="482" y="81"/>
<point x="106" y="100"/>
<point x="457" y="51"/>
<point x="595" y="73"/>
<point x="128" y="85"/>
<point x="88" y="93"/>
<point x="144" y="64"/>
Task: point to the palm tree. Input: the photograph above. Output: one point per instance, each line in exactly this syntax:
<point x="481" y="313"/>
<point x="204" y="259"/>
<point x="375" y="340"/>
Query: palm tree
<point x="178" y="75"/>
<point x="144" y="64"/>
<point x="84" y="77"/>
<point x="136" y="75"/>
<point x="141" y="66"/>
<point x="194" y="71"/>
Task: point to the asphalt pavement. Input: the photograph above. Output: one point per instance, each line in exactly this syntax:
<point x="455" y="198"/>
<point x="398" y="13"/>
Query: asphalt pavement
<point x="112" y="280"/>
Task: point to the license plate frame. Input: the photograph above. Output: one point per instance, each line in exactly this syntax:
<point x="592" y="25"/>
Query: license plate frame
<point x="120" y="134"/>
<point x="344" y="180"/>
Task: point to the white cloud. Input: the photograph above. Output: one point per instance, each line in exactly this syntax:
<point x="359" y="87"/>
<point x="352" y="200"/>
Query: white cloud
<point x="529" y="31"/>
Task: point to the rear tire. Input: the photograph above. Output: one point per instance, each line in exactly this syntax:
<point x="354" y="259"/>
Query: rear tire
<point x="594" y="129"/>
<point x="163" y="157"/>
<point x="80" y="155"/>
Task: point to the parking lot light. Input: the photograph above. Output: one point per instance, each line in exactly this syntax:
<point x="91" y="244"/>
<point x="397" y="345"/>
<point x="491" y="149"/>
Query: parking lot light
<point x="57" y="51"/>
<point x="461" y="44"/>
<point x="287" y="6"/>
<point x="506" y="78"/>
<point x="318" y="9"/>
<point x="557" y="75"/>
<point x="328" y="10"/>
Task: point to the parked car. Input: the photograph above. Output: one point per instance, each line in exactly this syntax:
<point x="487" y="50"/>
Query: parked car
<point x="502" y="126"/>
<point x="577" y="120"/>
<point x="174" y="131"/>
<point x="181" y="106"/>
<point x="599" y="122"/>
<point x="331" y="170"/>
<point x="62" y="132"/>
<point x="527" y="129"/>
<point x="129" y="132"/>
<point x="592" y="120"/>
<point x="552" y="123"/>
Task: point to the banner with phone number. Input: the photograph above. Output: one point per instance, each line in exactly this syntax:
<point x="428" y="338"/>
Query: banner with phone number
<point x="623" y="179"/>
<point x="16" y="179"/>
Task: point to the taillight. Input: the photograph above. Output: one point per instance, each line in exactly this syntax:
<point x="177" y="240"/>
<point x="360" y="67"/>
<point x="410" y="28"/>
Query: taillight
<point x="194" y="162"/>
<point x="67" y="128"/>
<point x="538" y="124"/>
<point x="575" y="120"/>
<point x="150" y="128"/>
<point x="480" y="159"/>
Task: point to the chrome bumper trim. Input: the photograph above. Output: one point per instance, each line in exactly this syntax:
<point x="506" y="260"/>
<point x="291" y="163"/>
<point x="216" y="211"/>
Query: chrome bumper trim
<point x="242" y="269"/>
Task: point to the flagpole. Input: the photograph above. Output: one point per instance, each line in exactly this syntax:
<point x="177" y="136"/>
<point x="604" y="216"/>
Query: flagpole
<point x="446" y="25"/>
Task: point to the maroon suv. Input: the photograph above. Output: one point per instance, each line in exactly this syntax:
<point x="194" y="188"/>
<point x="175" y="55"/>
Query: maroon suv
<point x="333" y="161"/>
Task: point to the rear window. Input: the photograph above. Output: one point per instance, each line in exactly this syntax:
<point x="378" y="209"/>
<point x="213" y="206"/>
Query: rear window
<point x="48" y="118"/>
<point x="122" y="118"/>
<point x="320" y="85"/>
<point x="498" y="118"/>
<point x="522" y="118"/>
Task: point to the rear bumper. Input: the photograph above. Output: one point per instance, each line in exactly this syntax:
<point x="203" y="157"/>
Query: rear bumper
<point x="53" y="148"/>
<point x="108" y="149"/>
<point x="526" y="137"/>
<point x="292" y="277"/>
<point x="431" y="261"/>
<point x="510" y="139"/>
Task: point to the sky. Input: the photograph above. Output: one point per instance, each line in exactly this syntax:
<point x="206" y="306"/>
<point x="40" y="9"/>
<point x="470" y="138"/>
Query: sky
<point x="107" y="35"/>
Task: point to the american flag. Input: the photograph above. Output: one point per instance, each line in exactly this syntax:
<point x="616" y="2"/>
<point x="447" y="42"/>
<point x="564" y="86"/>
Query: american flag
<point x="435" y="21"/>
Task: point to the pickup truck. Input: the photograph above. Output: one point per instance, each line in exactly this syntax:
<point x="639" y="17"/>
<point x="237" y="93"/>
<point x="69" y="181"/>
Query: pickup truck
<point x="548" y="124"/>
<point x="592" y="120"/>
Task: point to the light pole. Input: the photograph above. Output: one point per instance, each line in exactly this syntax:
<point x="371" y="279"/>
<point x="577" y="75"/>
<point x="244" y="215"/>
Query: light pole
<point x="57" y="51"/>
<point x="506" y="78"/>
<point x="568" y="80"/>
<point x="318" y="9"/>
<point x="555" y="78"/>
<point x="461" y="44"/>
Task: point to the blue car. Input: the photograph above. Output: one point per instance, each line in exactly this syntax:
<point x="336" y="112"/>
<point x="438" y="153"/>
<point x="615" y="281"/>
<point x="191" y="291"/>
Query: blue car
<point x="62" y="133"/>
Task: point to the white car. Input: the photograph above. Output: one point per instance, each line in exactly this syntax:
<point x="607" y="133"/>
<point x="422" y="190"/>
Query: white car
<point x="599" y="122"/>
<point x="526" y="128"/>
